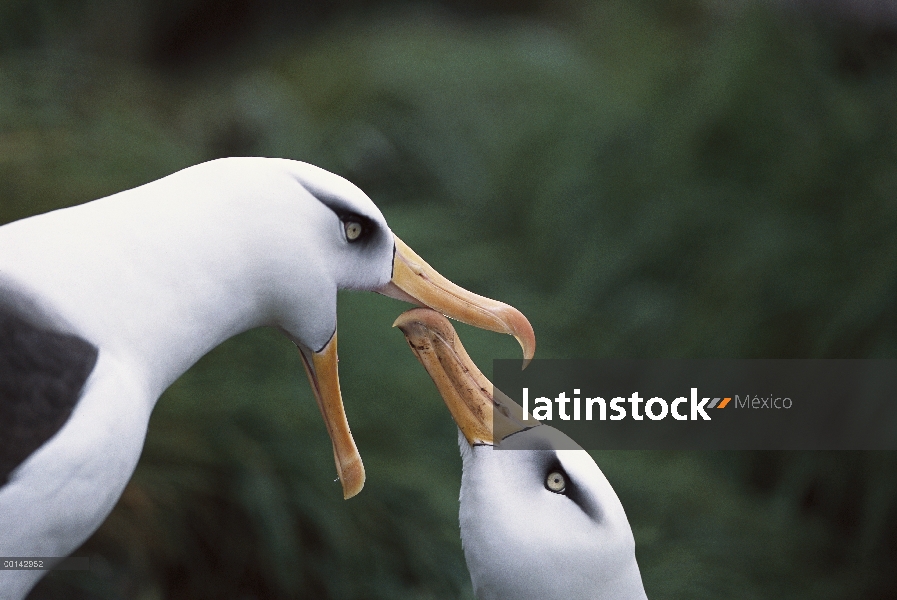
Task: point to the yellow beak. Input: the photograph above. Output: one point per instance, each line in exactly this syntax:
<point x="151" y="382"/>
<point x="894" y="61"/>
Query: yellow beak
<point x="413" y="280"/>
<point x="483" y="414"/>
<point x="323" y="374"/>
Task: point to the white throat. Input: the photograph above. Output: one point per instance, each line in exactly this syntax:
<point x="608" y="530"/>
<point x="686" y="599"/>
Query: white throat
<point x="161" y="274"/>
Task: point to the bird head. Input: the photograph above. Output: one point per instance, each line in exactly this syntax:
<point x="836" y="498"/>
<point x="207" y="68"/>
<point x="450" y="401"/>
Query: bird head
<point x="538" y="518"/>
<point x="355" y="249"/>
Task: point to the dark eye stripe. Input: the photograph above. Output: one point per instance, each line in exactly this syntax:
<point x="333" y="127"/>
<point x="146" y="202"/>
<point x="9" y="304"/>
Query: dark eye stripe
<point x="369" y="227"/>
<point x="578" y="494"/>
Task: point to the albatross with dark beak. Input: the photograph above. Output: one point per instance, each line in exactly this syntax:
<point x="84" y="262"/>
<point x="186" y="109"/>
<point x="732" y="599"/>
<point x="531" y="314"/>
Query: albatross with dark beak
<point x="539" y="521"/>
<point x="104" y="305"/>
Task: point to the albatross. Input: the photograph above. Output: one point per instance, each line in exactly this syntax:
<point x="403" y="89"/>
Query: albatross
<point x="104" y="305"/>
<point x="539" y="520"/>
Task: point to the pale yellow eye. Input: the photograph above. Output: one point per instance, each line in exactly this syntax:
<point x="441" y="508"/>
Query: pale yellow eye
<point x="353" y="230"/>
<point x="556" y="482"/>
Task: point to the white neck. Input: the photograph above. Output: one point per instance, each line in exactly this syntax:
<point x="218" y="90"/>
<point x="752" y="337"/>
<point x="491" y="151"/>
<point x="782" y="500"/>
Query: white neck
<point x="161" y="274"/>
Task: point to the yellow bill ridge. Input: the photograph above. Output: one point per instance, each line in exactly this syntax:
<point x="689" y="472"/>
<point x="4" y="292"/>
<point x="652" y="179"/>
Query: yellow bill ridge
<point x="484" y="415"/>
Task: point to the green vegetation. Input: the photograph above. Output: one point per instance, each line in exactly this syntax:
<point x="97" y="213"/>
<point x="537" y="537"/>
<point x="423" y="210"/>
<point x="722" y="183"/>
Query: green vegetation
<point x="641" y="179"/>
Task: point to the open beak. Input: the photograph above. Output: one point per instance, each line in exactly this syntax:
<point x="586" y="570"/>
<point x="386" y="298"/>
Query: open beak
<point x="484" y="415"/>
<point x="414" y="281"/>
<point x="323" y="375"/>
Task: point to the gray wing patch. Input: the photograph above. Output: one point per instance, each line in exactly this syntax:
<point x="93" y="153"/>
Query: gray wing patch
<point x="41" y="376"/>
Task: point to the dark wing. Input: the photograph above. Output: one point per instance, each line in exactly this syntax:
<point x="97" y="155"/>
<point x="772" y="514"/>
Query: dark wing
<point x="41" y="376"/>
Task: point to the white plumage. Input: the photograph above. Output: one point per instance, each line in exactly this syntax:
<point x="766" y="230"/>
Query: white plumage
<point x="155" y="277"/>
<point x="539" y="521"/>
<point x="523" y="541"/>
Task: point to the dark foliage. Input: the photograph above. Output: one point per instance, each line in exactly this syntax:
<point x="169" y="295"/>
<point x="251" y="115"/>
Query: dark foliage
<point x="654" y="179"/>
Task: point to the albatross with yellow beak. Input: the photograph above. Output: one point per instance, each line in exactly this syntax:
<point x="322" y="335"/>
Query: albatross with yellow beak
<point x="539" y="521"/>
<point x="104" y="305"/>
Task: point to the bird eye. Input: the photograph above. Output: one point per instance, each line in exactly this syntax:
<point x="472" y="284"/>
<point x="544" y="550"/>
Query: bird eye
<point x="556" y="482"/>
<point x="353" y="230"/>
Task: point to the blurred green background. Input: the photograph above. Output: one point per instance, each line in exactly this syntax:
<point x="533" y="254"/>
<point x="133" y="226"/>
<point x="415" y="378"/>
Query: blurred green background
<point x="681" y="178"/>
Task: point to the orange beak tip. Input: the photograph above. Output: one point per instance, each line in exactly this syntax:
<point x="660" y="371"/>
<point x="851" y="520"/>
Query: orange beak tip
<point x="529" y="349"/>
<point x="417" y="282"/>
<point x="352" y="479"/>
